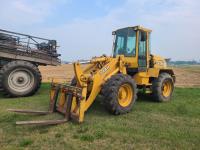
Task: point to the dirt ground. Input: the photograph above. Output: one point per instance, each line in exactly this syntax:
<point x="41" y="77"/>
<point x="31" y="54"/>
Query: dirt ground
<point x="63" y="73"/>
<point x="186" y="76"/>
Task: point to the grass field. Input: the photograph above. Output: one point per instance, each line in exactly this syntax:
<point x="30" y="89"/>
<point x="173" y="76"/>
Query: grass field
<point x="150" y="125"/>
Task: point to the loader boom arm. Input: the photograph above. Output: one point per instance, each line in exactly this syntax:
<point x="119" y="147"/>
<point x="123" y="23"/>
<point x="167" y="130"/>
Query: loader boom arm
<point x="91" y="79"/>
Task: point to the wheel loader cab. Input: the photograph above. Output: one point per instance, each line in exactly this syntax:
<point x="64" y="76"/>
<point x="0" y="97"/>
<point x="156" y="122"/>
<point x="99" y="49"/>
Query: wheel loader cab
<point x="133" y="43"/>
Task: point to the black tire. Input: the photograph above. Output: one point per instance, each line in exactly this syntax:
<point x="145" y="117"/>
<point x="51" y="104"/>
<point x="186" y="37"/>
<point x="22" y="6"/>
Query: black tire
<point x="20" y="78"/>
<point x="110" y="93"/>
<point x="157" y="87"/>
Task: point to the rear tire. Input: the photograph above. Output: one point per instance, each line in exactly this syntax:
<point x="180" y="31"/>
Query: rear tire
<point x="20" y="78"/>
<point x="163" y="87"/>
<point x="120" y="94"/>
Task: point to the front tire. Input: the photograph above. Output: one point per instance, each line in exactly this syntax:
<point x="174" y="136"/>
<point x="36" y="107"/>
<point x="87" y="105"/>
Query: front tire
<point x="163" y="87"/>
<point x="20" y="78"/>
<point x="119" y="94"/>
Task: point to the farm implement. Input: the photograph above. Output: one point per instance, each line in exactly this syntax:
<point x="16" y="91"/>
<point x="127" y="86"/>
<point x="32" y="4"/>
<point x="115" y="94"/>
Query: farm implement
<point x="116" y="78"/>
<point x="20" y="56"/>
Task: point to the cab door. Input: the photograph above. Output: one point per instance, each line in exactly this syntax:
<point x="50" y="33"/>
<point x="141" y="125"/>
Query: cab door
<point x="142" y="51"/>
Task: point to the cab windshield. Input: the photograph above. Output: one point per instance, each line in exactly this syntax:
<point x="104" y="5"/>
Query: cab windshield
<point x="125" y="42"/>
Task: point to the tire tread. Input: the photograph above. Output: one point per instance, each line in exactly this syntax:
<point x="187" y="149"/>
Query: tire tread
<point x="20" y="63"/>
<point x="110" y="93"/>
<point x="156" y="87"/>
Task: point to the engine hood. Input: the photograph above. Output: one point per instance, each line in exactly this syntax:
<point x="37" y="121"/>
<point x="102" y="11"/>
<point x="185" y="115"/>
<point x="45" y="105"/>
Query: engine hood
<point x="158" y="61"/>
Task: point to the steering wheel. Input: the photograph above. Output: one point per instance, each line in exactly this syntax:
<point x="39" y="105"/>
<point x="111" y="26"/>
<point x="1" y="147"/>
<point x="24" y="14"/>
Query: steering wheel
<point x="128" y="50"/>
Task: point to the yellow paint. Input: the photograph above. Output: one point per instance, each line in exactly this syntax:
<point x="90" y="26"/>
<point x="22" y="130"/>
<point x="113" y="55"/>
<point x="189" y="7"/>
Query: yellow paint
<point x="141" y="80"/>
<point x="167" y="88"/>
<point x="52" y="93"/>
<point x="62" y="99"/>
<point x="125" y="95"/>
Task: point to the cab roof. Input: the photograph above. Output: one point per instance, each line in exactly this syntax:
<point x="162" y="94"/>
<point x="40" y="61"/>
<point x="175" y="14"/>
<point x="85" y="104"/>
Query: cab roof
<point x="136" y="28"/>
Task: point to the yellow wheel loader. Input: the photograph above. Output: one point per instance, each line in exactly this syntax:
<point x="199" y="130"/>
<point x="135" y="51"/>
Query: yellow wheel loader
<point x="117" y="78"/>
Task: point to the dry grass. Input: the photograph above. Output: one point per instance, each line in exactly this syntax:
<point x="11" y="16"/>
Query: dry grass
<point x="63" y="73"/>
<point x="187" y="76"/>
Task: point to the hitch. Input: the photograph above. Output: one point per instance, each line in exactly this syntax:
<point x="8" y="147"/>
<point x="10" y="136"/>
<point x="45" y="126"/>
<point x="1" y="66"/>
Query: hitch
<point x="61" y="97"/>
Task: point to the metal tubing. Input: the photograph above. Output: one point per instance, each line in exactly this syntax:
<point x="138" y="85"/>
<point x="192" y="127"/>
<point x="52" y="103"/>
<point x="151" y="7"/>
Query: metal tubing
<point x="23" y="34"/>
<point x="29" y="111"/>
<point x="41" y="122"/>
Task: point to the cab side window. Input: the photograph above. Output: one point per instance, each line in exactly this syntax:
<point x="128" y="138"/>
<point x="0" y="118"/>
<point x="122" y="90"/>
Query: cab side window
<point x="142" y="49"/>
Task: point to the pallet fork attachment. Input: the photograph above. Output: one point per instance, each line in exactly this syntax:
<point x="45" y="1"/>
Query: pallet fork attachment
<point x="61" y="96"/>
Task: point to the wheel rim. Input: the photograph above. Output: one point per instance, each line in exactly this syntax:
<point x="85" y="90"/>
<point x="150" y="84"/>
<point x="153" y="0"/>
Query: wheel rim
<point x="166" y="88"/>
<point x="21" y="80"/>
<point x="125" y="95"/>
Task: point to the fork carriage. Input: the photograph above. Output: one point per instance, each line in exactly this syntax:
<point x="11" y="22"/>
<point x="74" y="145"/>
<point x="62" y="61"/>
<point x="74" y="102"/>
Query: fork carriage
<point x="61" y="96"/>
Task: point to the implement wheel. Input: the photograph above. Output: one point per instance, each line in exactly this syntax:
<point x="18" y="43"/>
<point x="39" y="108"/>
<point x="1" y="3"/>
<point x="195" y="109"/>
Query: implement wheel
<point x="119" y="94"/>
<point x="20" y="78"/>
<point x="163" y="87"/>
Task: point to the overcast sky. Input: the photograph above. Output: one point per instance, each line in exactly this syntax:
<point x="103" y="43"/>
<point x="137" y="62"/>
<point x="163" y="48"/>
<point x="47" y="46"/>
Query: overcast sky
<point x="83" y="27"/>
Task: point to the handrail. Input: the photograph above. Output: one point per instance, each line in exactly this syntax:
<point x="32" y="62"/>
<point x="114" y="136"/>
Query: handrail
<point x="23" y="34"/>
